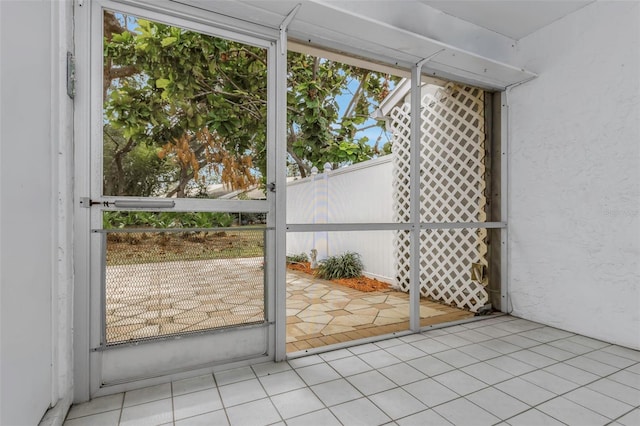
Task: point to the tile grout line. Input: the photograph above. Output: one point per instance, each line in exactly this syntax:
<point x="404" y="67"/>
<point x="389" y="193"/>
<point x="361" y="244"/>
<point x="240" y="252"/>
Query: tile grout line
<point x="314" y="393"/>
<point x="215" y="383"/>
<point x="529" y="348"/>
<point x="625" y="414"/>
<point x="536" y="369"/>
<point x="173" y="406"/>
<point x="342" y="377"/>
<point x="121" y="408"/>
<point x="579" y="387"/>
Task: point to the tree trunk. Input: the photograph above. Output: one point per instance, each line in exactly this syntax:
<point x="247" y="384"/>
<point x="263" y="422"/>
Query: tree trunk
<point x="117" y="160"/>
<point x="185" y="177"/>
<point x="291" y="138"/>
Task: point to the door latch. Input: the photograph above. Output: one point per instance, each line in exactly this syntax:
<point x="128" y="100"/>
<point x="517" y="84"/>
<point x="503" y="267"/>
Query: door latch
<point x="271" y="187"/>
<point x="86" y="202"/>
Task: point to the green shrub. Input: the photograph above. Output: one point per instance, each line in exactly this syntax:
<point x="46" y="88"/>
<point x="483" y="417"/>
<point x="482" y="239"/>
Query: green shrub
<point x="347" y="265"/>
<point x="298" y="258"/>
<point x="141" y="219"/>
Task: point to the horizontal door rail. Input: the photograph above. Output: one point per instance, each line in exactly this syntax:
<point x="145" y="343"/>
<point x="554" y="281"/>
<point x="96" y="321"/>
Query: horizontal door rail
<point x="159" y="230"/>
<point x="140" y="204"/>
<point x="180" y="204"/>
<point x="328" y="227"/>
<point x="464" y="225"/>
<point x="322" y="227"/>
<point x="178" y="336"/>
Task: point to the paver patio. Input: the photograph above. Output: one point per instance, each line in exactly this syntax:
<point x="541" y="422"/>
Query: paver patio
<point x="147" y="300"/>
<point x="321" y="312"/>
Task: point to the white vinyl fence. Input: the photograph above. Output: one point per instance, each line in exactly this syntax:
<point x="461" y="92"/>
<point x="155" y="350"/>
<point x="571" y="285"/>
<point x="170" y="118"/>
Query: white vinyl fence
<point x="361" y="193"/>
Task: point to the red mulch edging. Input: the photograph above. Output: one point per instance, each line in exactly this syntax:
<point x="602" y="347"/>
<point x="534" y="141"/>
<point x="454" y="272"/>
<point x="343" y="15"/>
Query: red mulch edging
<point x="360" y="283"/>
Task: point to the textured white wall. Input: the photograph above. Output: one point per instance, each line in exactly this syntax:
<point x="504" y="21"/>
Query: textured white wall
<point x="574" y="196"/>
<point x="61" y="42"/>
<point x="35" y="204"/>
<point x="358" y="194"/>
<point x="26" y="198"/>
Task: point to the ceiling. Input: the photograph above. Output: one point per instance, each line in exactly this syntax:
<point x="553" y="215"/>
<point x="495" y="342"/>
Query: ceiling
<point x="467" y="41"/>
<point x="515" y="18"/>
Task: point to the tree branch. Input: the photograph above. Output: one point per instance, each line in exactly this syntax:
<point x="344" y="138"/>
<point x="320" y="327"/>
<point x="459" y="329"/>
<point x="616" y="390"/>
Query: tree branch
<point x="121" y="72"/>
<point x="356" y="97"/>
<point x="316" y="66"/>
<point x="302" y="167"/>
<point x="112" y="25"/>
<point x="253" y="55"/>
<point x="112" y="139"/>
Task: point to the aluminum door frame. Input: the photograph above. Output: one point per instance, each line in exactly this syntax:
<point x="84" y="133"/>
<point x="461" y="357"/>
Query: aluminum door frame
<point x="88" y="363"/>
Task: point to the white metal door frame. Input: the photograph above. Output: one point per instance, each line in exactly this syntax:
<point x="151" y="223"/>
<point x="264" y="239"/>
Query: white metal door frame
<point x="203" y="20"/>
<point x="89" y="365"/>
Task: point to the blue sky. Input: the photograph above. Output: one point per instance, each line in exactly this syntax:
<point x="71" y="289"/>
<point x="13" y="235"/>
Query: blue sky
<point x="373" y="133"/>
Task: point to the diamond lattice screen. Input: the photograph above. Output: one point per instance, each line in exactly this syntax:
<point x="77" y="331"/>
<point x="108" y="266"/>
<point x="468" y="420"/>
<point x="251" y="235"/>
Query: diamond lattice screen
<point x="452" y="189"/>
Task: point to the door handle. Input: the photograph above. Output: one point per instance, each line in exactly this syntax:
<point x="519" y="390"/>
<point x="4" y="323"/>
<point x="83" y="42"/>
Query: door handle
<point x="149" y="204"/>
<point x="86" y="202"/>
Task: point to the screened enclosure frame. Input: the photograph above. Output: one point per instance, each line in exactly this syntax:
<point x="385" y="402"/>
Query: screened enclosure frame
<point x="495" y="122"/>
<point x="101" y="368"/>
<point x="275" y="38"/>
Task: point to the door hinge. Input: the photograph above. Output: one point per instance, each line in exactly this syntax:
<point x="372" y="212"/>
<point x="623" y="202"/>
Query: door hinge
<point x="71" y="75"/>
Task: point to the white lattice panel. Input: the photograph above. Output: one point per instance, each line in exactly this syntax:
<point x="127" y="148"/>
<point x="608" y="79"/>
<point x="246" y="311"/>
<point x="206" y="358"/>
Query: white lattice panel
<point x="452" y="188"/>
<point x="401" y="122"/>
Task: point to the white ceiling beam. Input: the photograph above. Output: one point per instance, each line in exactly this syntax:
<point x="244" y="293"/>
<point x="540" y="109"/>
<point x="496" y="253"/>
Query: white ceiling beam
<point x="418" y="17"/>
<point x="324" y="25"/>
<point x="321" y="24"/>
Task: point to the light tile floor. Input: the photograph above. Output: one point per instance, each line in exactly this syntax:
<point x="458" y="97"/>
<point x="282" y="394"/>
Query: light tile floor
<point x="502" y="370"/>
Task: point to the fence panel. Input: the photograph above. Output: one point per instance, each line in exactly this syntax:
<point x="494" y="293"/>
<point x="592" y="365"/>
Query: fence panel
<point x="361" y="193"/>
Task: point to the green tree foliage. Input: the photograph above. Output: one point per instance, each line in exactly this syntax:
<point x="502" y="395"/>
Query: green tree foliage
<point x="142" y="171"/>
<point x="318" y="132"/>
<point x="199" y="104"/>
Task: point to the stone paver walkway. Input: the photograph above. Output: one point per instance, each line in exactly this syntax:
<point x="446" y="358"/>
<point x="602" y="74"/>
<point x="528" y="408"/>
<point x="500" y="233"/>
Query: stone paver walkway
<point x="148" y="300"/>
<point x="321" y="312"/>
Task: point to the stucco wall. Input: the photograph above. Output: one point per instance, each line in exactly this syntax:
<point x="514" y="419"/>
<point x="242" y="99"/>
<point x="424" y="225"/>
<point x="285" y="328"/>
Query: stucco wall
<point x="574" y="196"/>
<point x="26" y="198"/>
<point x="35" y="227"/>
